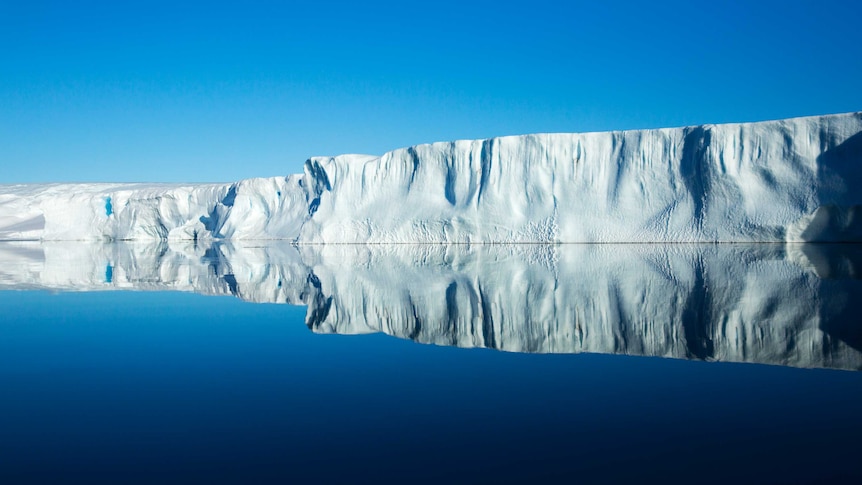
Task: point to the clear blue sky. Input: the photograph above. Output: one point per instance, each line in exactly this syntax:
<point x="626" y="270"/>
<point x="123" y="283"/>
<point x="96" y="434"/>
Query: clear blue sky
<point x="216" y="91"/>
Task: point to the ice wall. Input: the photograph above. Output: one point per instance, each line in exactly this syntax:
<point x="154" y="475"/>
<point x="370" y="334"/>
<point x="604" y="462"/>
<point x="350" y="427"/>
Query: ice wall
<point x="789" y="180"/>
<point x="794" y="305"/>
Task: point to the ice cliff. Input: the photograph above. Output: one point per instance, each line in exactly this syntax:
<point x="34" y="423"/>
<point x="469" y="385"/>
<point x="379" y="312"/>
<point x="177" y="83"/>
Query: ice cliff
<point x="782" y="304"/>
<point x="789" y="180"/>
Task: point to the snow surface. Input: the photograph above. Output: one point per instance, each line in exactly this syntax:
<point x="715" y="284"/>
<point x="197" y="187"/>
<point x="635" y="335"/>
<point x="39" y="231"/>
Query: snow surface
<point x="789" y="180"/>
<point x="781" y="304"/>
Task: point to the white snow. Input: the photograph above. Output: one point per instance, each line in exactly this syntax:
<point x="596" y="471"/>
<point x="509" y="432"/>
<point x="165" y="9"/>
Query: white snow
<point x="789" y="180"/>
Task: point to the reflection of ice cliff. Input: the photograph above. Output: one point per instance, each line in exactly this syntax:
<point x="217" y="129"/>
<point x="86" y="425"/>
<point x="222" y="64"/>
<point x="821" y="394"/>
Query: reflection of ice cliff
<point x="776" y="304"/>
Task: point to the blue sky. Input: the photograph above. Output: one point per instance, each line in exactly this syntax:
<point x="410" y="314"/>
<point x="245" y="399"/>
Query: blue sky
<point x="217" y="91"/>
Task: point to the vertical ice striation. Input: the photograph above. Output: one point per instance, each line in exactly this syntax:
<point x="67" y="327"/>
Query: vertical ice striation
<point x="788" y="180"/>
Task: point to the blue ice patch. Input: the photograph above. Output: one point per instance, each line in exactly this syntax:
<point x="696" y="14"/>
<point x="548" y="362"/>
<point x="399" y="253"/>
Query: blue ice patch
<point x="109" y="209"/>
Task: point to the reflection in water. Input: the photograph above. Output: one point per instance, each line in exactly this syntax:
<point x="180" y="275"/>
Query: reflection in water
<point x="774" y="304"/>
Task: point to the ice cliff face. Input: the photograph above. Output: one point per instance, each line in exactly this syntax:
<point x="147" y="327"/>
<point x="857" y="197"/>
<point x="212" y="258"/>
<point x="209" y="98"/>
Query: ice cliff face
<point x="790" y="180"/>
<point x="793" y="305"/>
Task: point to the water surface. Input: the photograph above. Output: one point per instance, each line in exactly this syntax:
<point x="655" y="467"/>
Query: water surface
<point x="272" y="363"/>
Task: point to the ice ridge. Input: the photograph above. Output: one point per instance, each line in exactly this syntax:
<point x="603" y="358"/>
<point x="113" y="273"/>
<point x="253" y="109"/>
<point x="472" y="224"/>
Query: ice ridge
<point x="791" y="180"/>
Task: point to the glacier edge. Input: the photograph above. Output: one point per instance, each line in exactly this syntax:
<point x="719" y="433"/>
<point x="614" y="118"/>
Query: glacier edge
<point x="794" y="180"/>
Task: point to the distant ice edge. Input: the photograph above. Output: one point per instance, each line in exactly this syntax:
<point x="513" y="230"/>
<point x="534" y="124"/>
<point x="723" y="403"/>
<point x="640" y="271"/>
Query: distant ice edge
<point x="795" y="180"/>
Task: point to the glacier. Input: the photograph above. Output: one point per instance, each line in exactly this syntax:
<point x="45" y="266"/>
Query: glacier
<point x="780" y="304"/>
<point x="793" y="180"/>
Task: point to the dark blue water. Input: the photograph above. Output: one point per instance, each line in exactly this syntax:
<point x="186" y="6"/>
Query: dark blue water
<point x="165" y="387"/>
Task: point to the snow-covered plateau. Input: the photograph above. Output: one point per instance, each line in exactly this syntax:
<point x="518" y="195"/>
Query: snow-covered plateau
<point x="782" y="304"/>
<point x="778" y="181"/>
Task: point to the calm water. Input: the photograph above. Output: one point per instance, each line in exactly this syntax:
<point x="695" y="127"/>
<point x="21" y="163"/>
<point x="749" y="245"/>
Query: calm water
<point x="354" y="364"/>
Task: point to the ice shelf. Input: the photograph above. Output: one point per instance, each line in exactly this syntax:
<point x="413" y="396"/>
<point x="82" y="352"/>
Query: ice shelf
<point x="776" y="181"/>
